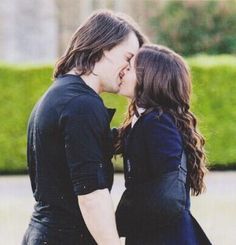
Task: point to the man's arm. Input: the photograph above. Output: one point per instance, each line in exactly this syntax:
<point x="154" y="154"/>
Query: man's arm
<point x="83" y="122"/>
<point x="98" y="213"/>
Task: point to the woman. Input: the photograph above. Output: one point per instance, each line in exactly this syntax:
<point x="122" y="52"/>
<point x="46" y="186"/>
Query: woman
<point x="156" y="136"/>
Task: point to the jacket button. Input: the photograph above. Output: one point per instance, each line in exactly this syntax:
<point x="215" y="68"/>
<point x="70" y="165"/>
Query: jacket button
<point x="128" y="165"/>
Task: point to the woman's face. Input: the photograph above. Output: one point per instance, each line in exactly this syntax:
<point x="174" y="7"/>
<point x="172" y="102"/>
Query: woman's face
<point x="128" y="81"/>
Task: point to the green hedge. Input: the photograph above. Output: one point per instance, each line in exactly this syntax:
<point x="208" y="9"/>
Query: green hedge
<point x="213" y="102"/>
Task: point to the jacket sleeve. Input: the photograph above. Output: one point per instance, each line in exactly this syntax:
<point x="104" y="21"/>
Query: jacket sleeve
<point x="84" y="122"/>
<point x="163" y="144"/>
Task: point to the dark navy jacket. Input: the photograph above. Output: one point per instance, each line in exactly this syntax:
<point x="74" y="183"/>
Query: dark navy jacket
<point x="151" y="148"/>
<point x="69" y="150"/>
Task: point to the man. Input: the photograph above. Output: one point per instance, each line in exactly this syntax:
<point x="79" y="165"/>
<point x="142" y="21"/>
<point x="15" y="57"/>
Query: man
<point x="69" y="141"/>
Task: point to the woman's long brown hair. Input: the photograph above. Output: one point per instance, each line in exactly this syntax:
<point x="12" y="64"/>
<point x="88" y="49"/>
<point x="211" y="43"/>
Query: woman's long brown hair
<point x="164" y="84"/>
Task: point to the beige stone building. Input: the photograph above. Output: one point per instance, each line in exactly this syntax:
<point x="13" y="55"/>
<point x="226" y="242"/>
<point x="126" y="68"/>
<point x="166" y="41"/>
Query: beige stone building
<point x="37" y="31"/>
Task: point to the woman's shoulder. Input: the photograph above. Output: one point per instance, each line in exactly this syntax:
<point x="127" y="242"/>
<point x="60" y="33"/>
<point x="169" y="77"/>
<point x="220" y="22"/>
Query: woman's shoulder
<point x="156" y="117"/>
<point x="160" y="128"/>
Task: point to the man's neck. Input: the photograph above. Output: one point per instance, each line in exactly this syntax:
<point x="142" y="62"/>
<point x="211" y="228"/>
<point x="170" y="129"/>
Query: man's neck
<point x="91" y="80"/>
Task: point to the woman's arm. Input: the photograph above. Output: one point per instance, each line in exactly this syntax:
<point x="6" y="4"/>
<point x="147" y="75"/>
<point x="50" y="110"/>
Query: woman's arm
<point x="163" y="143"/>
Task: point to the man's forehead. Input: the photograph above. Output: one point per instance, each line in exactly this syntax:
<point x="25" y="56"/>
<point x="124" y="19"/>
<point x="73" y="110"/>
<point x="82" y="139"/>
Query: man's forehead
<point x="131" y="50"/>
<point x="131" y="43"/>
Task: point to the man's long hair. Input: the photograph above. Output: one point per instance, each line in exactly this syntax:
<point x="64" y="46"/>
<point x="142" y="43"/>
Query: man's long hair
<point x="102" y="31"/>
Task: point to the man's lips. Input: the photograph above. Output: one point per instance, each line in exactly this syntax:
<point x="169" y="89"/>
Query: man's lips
<point x="120" y="83"/>
<point x="121" y="75"/>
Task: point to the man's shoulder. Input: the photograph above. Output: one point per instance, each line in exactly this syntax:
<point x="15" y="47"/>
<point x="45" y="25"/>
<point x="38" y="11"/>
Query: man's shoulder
<point x="86" y="100"/>
<point x="71" y="95"/>
<point x="85" y="104"/>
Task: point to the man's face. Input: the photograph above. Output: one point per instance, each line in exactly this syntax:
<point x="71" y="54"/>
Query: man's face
<point x="111" y="67"/>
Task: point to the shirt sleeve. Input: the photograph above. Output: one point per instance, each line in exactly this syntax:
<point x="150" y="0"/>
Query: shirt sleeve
<point x="163" y="143"/>
<point x="84" y="122"/>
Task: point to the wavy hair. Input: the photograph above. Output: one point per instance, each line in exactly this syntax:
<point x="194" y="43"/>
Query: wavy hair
<point x="164" y="84"/>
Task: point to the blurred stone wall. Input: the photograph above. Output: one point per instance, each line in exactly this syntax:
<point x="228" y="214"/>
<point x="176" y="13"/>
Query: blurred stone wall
<point x="28" y="31"/>
<point x="72" y="12"/>
<point x="38" y="30"/>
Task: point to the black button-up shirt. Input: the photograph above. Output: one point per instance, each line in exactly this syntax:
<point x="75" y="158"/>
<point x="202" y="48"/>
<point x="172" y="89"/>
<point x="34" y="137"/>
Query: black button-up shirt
<point x="69" y="150"/>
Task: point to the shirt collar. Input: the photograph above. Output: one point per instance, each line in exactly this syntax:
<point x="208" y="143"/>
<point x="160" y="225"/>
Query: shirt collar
<point x="111" y="112"/>
<point x="135" y="118"/>
<point x="77" y="79"/>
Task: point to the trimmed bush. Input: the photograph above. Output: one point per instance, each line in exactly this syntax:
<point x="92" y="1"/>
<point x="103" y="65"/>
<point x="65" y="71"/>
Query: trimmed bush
<point x="213" y="102"/>
<point x="20" y="88"/>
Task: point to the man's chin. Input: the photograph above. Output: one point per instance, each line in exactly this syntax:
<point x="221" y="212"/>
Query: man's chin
<point x="117" y="90"/>
<point x="123" y="93"/>
<point x="113" y="90"/>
